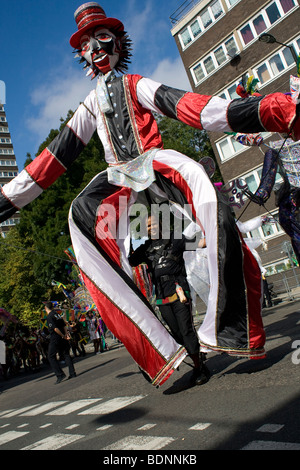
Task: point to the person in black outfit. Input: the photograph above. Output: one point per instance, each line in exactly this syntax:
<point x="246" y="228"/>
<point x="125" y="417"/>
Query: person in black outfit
<point x="166" y="266"/>
<point x="59" y="343"/>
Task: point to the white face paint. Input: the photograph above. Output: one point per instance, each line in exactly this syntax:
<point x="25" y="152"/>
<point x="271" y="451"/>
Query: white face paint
<point x="99" y="49"/>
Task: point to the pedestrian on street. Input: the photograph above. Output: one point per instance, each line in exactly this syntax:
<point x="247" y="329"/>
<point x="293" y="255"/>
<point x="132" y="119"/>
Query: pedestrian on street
<point x="59" y="343"/>
<point x="164" y="258"/>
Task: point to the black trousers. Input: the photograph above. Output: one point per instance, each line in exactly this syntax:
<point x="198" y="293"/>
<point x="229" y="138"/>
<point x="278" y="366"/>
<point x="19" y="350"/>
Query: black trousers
<point x="178" y="316"/>
<point x="61" y="347"/>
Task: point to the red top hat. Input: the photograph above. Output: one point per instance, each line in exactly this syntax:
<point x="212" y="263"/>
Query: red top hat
<point x="88" y="16"/>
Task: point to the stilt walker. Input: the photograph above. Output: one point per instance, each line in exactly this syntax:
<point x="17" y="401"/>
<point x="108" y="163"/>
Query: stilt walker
<point x="120" y="109"/>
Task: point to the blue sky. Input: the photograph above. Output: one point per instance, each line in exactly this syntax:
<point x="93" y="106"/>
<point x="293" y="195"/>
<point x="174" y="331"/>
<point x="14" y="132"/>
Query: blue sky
<point x="42" y="78"/>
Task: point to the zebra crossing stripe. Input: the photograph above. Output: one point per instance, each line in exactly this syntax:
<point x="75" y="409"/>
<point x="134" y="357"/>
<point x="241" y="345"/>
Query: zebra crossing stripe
<point x="74" y="406"/>
<point x="5" y="412"/>
<point x="18" y="411"/>
<point x="54" y="442"/>
<point x="140" y="443"/>
<point x="10" y="436"/>
<point x="43" y="408"/>
<point x="200" y="427"/>
<point x="111" y="405"/>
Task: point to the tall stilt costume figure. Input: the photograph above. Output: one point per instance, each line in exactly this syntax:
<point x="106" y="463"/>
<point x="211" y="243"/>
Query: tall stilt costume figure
<point x="120" y="108"/>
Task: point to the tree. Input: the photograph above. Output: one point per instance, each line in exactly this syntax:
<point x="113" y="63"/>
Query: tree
<point x="20" y="289"/>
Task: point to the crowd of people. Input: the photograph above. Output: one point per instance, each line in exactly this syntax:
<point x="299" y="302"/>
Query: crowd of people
<point x="27" y="348"/>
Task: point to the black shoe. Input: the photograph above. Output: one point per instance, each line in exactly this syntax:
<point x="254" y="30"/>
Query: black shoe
<point x="200" y="376"/>
<point x="71" y="376"/>
<point x="60" y="379"/>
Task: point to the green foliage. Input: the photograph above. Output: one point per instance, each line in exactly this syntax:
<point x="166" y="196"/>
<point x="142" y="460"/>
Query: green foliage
<point x="19" y="286"/>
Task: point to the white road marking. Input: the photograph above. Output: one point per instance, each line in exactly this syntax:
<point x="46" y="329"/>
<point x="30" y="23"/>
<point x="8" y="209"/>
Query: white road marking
<point x="199" y="427"/>
<point x="104" y="427"/>
<point x="46" y="425"/>
<point x="43" y="408"/>
<point x="19" y="411"/>
<point x="111" y="405"/>
<point x="5" y="412"/>
<point x="271" y="445"/>
<point x="10" y="436"/>
<point x="140" y="443"/>
<point x="74" y="406"/>
<point x="72" y="426"/>
<point x="54" y="442"/>
<point x="146" y="427"/>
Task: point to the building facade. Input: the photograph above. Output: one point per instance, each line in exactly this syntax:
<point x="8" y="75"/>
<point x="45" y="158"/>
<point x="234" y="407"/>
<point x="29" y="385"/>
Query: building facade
<point x="218" y="41"/>
<point x="8" y="166"/>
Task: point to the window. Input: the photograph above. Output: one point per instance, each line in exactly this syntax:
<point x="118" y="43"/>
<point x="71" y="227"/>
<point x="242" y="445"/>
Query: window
<point x="196" y="29"/>
<point x="8" y="174"/>
<point x="247" y="34"/>
<point x="9" y="222"/>
<point x="209" y="65"/>
<point x="228" y="147"/>
<point x="253" y="179"/>
<point x="231" y="3"/>
<point x="273" y="13"/>
<point x="259" y="24"/>
<point x="269" y="229"/>
<point x="8" y="163"/>
<point x="198" y="72"/>
<point x="204" y="20"/>
<point x="214" y="60"/>
<point x="220" y="55"/>
<point x="263" y="74"/>
<point x="6" y="151"/>
<point x="287" y="5"/>
<point x="231" y="46"/>
<point x="265" y="19"/>
<point x="277" y="64"/>
<point x="230" y="92"/>
<point x="185" y="37"/>
<point x="216" y="9"/>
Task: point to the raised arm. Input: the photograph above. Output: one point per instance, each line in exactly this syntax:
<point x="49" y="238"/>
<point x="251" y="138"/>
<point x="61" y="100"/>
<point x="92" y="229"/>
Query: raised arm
<point x="51" y="163"/>
<point x="274" y="113"/>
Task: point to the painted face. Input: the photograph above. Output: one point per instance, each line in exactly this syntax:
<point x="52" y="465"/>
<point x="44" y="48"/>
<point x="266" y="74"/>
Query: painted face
<point x="99" y="48"/>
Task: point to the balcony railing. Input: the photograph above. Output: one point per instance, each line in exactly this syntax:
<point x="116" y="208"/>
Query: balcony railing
<point x="183" y="10"/>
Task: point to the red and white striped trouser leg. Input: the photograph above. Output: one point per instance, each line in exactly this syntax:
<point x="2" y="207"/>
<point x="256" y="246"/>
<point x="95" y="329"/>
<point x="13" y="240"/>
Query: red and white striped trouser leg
<point x="233" y="320"/>
<point x="123" y="308"/>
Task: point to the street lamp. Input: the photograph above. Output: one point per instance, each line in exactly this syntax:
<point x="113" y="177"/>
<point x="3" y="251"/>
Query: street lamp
<point x="269" y="39"/>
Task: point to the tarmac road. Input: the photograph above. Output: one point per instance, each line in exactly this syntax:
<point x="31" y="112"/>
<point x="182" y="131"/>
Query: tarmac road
<point x="111" y="408"/>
